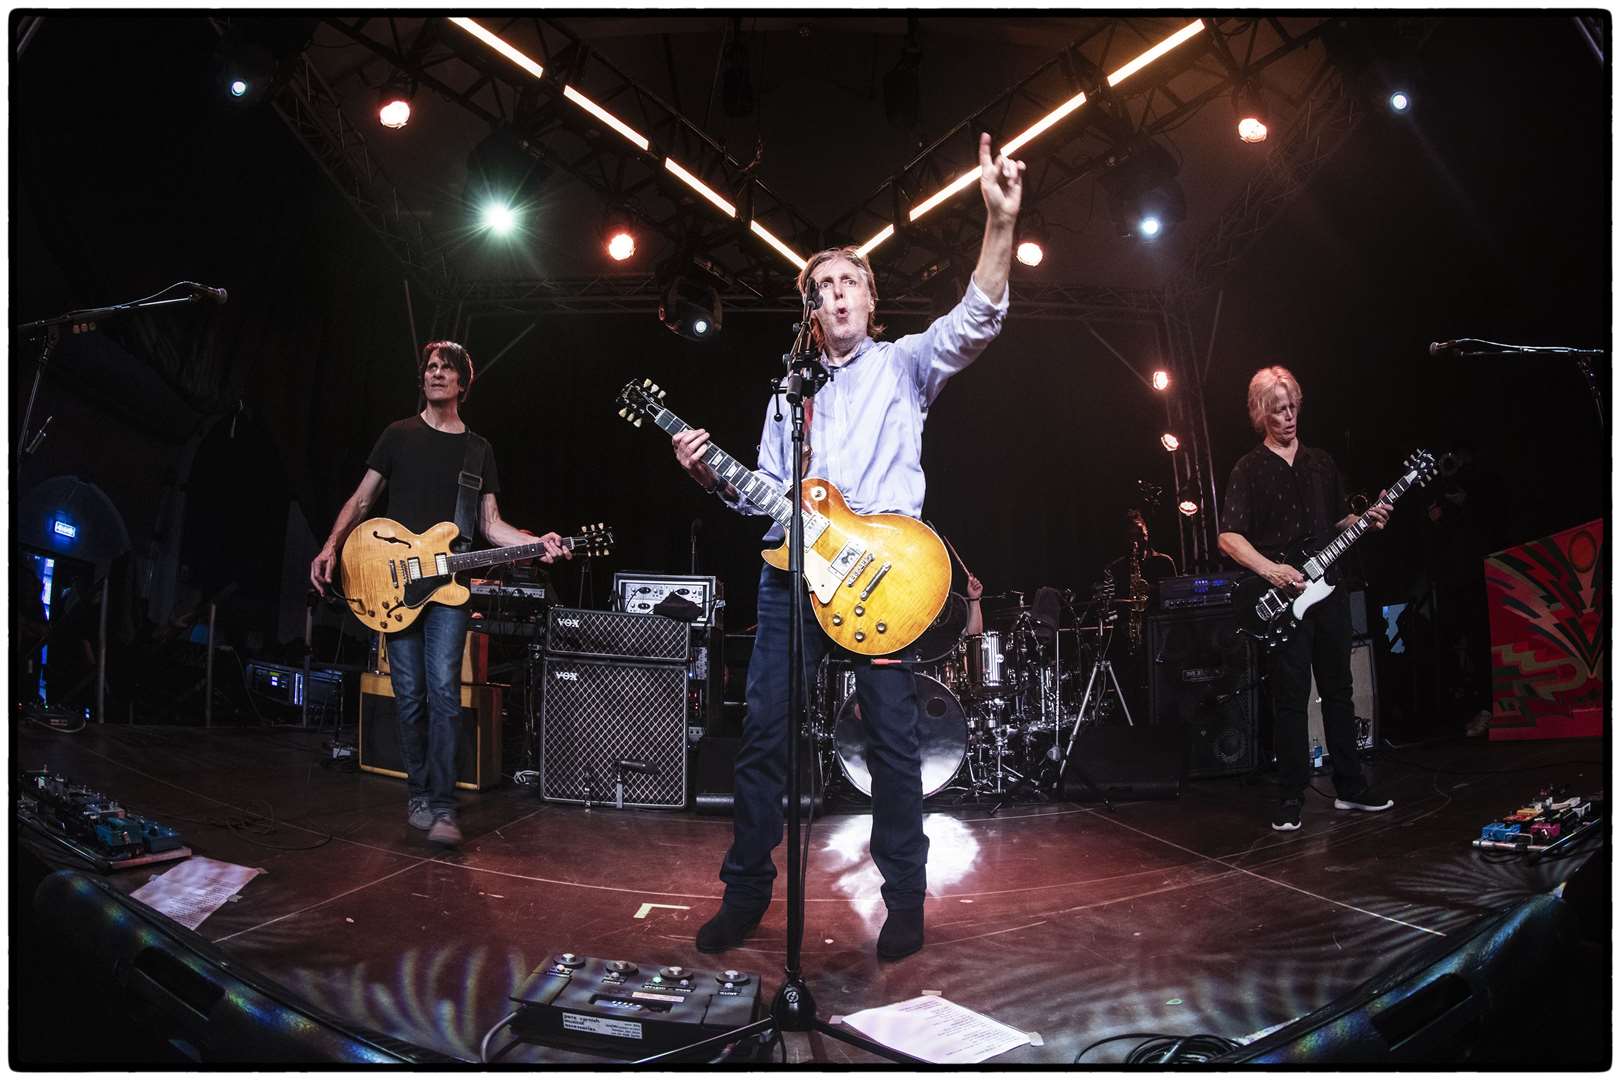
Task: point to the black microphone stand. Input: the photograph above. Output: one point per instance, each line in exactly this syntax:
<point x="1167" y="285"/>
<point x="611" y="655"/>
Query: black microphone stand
<point x="794" y="1007"/>
<point x="1474" y="348"/>
<point x="84" y="318"/>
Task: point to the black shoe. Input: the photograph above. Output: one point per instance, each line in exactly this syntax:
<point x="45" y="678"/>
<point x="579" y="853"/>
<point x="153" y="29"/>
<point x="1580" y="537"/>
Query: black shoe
<point x="727" y="929"/>
<point x="902" y="934"/>
<point x="1286" y="819"/>
<point x="1366" y="799"/>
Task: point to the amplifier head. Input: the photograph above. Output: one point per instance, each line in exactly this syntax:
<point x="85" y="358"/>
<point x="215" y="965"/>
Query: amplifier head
<point x="639" y="592"/>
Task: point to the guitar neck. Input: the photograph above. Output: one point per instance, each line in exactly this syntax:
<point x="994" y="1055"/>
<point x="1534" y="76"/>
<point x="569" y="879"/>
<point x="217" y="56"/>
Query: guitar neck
<point x="1318" y="564"/>
<point x="733" y="472"/>
<point x="517" y="553"/>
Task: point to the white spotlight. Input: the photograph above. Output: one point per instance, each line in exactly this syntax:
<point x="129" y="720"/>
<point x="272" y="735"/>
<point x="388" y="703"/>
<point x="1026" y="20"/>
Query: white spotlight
<point x="1400" y="101"/>
<point x="1149" y="226"/>
<point x="1030" y="254"/>
<point x="499" y="219"/>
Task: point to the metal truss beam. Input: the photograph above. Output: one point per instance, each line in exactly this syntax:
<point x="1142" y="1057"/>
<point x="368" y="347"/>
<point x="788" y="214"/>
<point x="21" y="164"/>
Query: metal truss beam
<point x="312" y="112"/>
<point x="640" y="293"/>
<point x="1153" y="102"/>
<point x="567" y="138"/>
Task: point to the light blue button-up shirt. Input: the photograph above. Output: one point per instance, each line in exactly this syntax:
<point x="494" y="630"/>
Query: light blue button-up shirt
<point x="866" y="430"/>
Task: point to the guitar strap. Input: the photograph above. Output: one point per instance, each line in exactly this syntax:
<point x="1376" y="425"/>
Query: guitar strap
<point x="468" y="485"/>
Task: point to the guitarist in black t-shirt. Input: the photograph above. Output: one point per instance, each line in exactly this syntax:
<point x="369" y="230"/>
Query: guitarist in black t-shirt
<point x="420" y="460"/>
<point x="1281" y="493"/>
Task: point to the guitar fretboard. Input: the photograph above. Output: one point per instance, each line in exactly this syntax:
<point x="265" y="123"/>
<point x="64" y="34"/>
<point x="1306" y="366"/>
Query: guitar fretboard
<point x="516" y="553"/>
<point x="1319" y="563"/>
<point x="731" y="471"/>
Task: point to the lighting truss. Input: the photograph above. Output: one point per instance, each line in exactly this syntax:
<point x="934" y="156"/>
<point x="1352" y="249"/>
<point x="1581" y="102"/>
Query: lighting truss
<point x="1151" y="99"/>
<point x="583" y="116"/>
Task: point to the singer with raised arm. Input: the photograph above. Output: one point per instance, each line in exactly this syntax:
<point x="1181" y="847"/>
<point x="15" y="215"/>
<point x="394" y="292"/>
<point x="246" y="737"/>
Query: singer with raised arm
<point x="1280" y="493"/>
<point x="423" y="461"/>
<point x="863" y="432"/>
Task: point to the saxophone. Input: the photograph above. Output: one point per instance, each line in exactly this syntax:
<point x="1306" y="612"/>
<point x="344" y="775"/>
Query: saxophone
<point x="1139" y="597"/>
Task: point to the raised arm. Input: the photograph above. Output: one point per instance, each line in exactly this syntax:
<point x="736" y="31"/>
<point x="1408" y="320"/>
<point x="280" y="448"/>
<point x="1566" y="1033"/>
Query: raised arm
<point x="1001" y="182"/>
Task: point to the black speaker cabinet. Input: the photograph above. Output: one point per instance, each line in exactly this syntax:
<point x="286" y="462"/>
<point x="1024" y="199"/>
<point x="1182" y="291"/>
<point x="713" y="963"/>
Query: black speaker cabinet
<point x="1204" y="678"/>
<point x="604" y="722"/>
<point x="478" y="742"/>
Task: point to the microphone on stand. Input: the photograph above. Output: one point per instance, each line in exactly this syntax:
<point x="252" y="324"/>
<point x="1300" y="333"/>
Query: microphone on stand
<point x="204" y="292"/>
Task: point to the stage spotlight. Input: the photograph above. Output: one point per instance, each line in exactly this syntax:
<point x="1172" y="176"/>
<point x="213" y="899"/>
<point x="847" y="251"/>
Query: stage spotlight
<point x="1400" y="101"/>
<point x="1169" y="442"/>
<point x="1188" y="507"/>
<point x="1144" y="196"/>
<point x="502" y="175"/>
<point x="238" y="88"/>
<point x="1030" y="253"/>
<point x="256" y="54"/>
<point x="1161" y="380"/>
<point x="1251" y="114"/>
<point x="691" y="309"/>
<point x="621" y="245"/>
<point x="499" y="218"/>
<point x="394" y="102"/>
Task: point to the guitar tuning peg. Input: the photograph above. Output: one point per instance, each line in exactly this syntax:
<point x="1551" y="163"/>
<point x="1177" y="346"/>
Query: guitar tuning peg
<point x="646" y="382"/>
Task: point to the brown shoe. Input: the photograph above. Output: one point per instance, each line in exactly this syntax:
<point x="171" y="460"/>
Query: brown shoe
<point x="443" y="831"/>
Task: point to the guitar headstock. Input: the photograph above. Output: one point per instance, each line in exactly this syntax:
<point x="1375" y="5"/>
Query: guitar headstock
<point x="593" y="541"/>
<point x="1421" y="464"/>
<point x="640" y="401"/>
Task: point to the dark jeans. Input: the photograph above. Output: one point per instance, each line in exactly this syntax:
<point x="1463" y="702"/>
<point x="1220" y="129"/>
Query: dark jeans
<point x="888" y="700"/>
<point x="1321" y="641"/>
<point x="425" y="667"/>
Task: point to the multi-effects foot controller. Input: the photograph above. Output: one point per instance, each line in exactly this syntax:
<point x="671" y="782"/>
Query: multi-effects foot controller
<point x="631" y="1008"/>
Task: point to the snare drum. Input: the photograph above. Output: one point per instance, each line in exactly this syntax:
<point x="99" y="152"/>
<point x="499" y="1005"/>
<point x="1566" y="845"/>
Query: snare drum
<point x="984" y="661"/>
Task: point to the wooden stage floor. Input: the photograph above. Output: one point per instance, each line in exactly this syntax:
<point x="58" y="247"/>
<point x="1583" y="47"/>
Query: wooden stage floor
<point x="1063" y="919"/>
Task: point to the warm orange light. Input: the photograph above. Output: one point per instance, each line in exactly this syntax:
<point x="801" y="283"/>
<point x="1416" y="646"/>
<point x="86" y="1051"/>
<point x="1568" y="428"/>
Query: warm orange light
<point x="700" y="187"/>
<point x="635" y="137"/>
<point x="621" y="245"/>
<point x="1029" y="253"/>
<point x="1161" y="380"/>
<point x="394" y="114"/>
<point x="1251" y="130"/>
<point x="1169" y="442"/>
<point x="782" y="249"/>
<point x="499" y="44"/>
<point x="1187" y="507"/>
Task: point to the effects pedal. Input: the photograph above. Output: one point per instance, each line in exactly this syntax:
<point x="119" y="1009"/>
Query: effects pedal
<point x="631" y="1009"/>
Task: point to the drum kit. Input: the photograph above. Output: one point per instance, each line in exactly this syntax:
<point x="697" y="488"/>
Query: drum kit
<point x="996" y="710"/>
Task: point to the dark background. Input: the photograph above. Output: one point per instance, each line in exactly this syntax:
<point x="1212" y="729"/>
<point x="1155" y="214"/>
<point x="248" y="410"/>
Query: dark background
<point x="1485" y="213"/>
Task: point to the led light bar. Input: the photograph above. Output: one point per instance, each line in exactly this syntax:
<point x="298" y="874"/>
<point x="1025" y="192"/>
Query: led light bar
<point x="700" y="187"/>
<point x="499" y="44"/>
<point x="888" y="231"/>
<point x="1157" y="51"/>
<point x="786" y="252"/>
<point x="1029" y="134"/>
<point x="606" y="117"/>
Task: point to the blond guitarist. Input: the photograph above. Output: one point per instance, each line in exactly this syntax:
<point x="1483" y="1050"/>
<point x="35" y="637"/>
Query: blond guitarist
<point x="864" y="434"/>
<point x="419" y="459"/>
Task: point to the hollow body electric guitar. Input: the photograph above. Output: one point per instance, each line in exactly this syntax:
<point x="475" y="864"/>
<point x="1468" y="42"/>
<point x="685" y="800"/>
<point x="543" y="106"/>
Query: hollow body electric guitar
<point x="1269" y="615"/>
<point x="389" y="572"/>
<point x="876" y="581"/>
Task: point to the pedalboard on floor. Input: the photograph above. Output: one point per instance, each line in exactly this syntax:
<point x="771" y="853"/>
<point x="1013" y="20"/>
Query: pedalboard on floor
<point x="629" y="1009"/>
<point x="94" y="825"/>
<point x="1550" y="821"/>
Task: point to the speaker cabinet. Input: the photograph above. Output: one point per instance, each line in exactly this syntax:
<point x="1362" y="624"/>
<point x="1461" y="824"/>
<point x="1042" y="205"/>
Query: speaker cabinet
<point x="478" y="739"/>
<point x="1204" y="679"/>
<point x="606" y="723"/>
<point x="1364" y="692"/>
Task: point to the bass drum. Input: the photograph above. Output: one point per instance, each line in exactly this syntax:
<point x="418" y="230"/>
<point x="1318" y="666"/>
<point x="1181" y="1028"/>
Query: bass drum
<point x="942" y="736"/>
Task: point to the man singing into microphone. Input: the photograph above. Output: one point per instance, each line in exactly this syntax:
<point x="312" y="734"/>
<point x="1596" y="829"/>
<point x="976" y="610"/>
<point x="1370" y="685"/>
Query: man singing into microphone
<point x="863" y="432"/>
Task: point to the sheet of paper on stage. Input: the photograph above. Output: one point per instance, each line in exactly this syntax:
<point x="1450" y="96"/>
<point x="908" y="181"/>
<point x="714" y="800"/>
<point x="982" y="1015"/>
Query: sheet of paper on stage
<point x="934" y="1029"/>
<point x="195" y="889"/>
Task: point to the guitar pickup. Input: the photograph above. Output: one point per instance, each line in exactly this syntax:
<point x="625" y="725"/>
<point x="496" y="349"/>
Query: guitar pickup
<point x="413" y="568"/>
<point x="860" y="568"/>
<point x="877" y="577"/>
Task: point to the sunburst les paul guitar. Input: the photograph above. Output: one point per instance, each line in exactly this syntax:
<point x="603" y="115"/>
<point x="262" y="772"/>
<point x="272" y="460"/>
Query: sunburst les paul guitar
<point x="876" y="581"/>
<point x="389" y="572"/>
